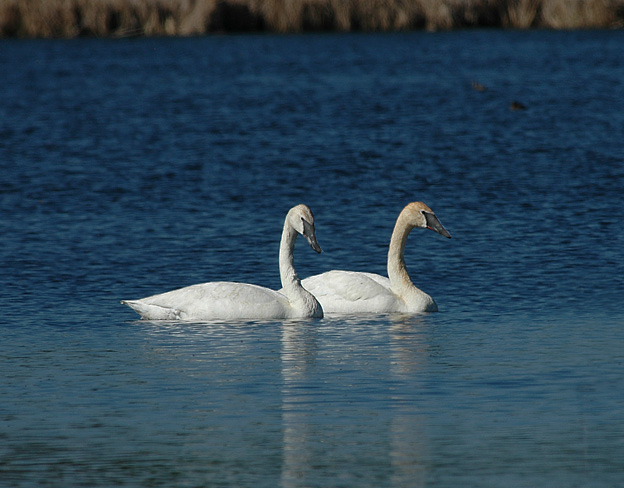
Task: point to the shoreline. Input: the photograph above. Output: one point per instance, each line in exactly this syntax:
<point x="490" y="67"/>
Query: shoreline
<point x="148" y="18"/>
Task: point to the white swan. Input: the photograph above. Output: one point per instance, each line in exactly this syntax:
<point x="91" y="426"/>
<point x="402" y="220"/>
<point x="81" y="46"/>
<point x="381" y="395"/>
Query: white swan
<point x="356" y="292"/>
<point x="227" y="300"/>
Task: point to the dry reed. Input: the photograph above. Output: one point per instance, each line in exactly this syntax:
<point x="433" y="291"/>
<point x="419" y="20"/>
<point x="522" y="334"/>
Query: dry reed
<point x="121" y="18"/>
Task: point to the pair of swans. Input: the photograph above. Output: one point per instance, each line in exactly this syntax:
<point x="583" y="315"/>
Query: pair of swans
<point x="330" y="292"/>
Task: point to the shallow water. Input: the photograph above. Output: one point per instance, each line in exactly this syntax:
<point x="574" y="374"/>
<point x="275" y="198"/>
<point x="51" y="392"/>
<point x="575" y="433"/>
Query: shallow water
<point x="134" y="167"/>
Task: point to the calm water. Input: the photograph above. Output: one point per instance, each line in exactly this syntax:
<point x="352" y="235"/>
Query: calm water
<point x="138" y="166"/>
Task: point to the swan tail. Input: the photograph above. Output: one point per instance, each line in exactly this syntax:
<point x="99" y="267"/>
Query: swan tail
<point x="153" y="312"/>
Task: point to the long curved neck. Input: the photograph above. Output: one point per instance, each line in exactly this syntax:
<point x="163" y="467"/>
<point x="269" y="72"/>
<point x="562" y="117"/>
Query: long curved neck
<point x="288" y="275"/>
<point x="302" y="302"/>
<point x="397" y="272"/>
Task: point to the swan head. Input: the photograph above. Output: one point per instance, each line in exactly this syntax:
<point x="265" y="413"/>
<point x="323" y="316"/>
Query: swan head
<point x="301" y="219"/>
<point x="420" y="215"/>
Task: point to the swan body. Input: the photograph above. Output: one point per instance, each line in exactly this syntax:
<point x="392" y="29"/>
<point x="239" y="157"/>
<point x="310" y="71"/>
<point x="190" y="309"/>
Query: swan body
<point x="224" y="300"/>
<point x="357" y="292"/>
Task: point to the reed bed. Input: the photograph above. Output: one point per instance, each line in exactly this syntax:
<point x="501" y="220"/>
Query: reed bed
<point x="125" y="18"/>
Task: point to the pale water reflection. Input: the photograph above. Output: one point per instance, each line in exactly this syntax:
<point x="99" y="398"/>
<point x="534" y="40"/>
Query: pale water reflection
<point x="382" y="400"/>
<point x="343" y="402"/>
<point x="298" y="350"/>
<point x="409" y="448"/>
<point x="390" y="399"/>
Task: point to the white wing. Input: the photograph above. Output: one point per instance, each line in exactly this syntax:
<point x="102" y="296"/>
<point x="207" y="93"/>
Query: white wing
<point x="214" y="301"/>
<point x="352" y="292"/>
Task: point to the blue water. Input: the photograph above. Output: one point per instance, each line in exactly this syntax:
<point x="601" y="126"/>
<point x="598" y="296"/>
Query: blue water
<point x="133" y="167"/>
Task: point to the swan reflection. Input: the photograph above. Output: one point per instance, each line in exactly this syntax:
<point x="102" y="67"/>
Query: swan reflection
<point x="349" y="400"/>
<point x="298" y="352"/>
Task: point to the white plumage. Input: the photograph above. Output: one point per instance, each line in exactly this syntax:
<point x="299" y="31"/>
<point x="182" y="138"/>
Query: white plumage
<point x="222" y="300"/>
<point x="358" y="292"/>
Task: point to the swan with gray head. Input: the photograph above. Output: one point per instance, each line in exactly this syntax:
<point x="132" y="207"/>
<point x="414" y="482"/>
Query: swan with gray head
<point x="224" y="300"/>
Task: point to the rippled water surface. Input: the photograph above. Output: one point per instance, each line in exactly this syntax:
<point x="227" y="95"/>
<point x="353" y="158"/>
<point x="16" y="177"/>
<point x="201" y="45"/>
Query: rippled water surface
<point x="133" y="167"/>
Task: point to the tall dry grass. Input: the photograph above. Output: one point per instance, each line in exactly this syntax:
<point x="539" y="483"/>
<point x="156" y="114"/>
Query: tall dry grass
<point x="578" y="14"/>
<point x="72" y="18"/>
<point x="521" y="14"/>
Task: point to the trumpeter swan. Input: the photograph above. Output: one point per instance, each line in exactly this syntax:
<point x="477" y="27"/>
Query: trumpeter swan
<point x="357" y="292"/>
<point x="228" y="300"/>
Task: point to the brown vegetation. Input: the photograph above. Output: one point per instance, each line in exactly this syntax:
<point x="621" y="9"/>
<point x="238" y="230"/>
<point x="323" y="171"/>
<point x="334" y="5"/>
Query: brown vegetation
<point x="122" y="18"/>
